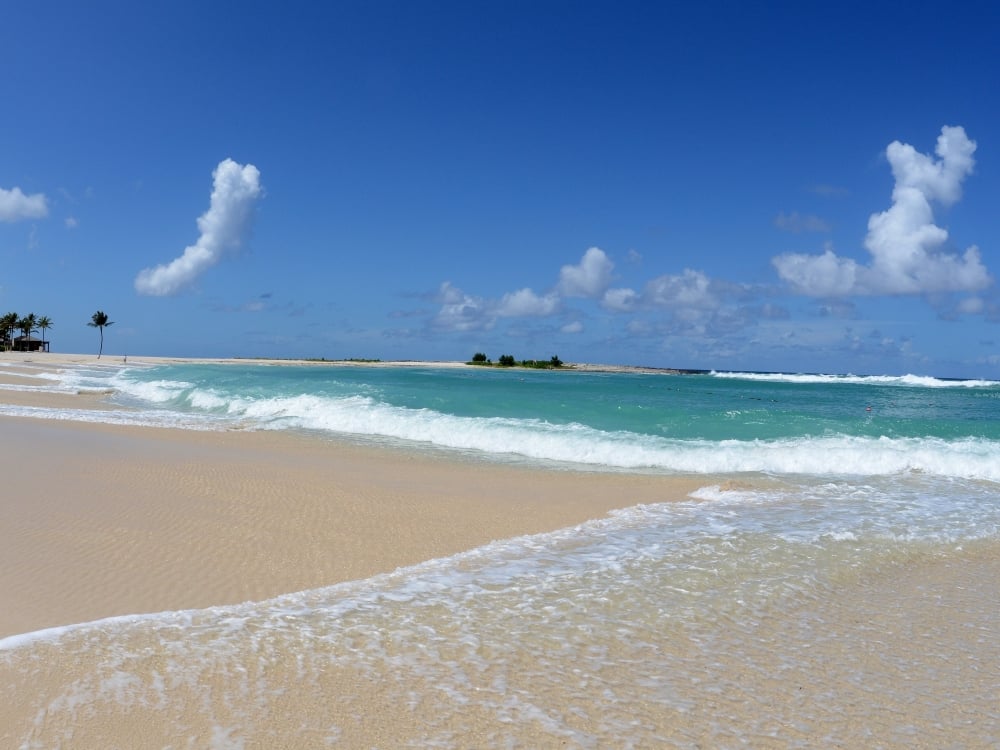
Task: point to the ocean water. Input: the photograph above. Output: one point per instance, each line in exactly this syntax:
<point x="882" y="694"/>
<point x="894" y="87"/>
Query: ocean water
<point x="790" y="602"/>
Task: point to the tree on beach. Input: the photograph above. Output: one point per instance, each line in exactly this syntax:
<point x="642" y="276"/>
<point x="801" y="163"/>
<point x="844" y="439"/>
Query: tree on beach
<point x="27" y="324"/>
<point x="100" y="320"/>
<point x="44" y="322"/>
<point x="8" y="323"/>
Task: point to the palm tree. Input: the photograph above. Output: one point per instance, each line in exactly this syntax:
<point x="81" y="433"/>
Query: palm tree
<point x="100" y="320"/>
<point x="27" y="324"/>
<point x="43" y="323"/>
<point x="7" y="325"/>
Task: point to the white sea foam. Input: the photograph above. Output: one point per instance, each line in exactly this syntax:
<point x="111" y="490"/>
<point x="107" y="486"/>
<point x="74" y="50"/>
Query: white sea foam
<point x="155" y="391"/>
<point x="575" y="443"/>
<point x="180" y="403"/>
<point x="834" y="455"/>
<point x="911" y="380"/>
<point x="147" y="418"/>
<point x="618" y="612"/>
<point x="692" y="543"/>
<point x="38" y="388"/>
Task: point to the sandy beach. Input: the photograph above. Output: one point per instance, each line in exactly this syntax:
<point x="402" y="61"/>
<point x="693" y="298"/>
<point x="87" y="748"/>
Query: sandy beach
<point x="105" y="521"/>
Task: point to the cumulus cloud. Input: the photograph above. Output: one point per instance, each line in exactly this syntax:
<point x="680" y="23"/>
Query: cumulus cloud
<point x="526" y="302"/>
<point x="825" y="275"/>
<point x="689" y="303"/>
<point x="620" y="300"/>
<point x="690" y="290"/>
<point x="462" y="312"/>
<point x="906" y="246"/>
<point x="590" y="278"/>
<point x="235" y="190"/>
<point x="15" y="205"/>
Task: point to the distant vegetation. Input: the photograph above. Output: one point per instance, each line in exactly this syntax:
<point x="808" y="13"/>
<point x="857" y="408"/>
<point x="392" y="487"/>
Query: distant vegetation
<point x="359" y="360"/>
<point x="27" y="325"/>
<point x="507" y="360"/>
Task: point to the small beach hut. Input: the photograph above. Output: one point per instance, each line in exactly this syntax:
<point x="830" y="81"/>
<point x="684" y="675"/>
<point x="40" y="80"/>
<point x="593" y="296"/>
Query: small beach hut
<point x="30" y="344"/>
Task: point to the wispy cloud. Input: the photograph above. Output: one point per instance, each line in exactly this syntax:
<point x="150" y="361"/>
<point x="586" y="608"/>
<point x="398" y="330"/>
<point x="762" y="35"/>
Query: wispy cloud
<point x="223" y="227"/>
<point x="796" y="222"/>
<point x="905" y="244"/>
<point x="15" y="205"/>
<point x="829" y="191"/>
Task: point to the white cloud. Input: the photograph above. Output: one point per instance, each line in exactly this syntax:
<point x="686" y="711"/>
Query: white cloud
<point x="526" y="302"/>
<point x="972" y="305"/>
<point x="689" y="290"/>
<point x="236" y="189"/>
<point x="588" y="279"/>
<point x="905" y="244"/>
<point x="15" y="205"/>
<point x="449" y="294"/>
<point x="71" y="222"/>
<point x="575" y="327"/>
<point x="823" y="275"/>
<point x="620" y="300"/>
<point x="461" y="312"/>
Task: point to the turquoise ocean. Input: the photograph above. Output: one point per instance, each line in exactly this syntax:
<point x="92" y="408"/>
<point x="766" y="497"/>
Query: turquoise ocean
<point x="718" y="621"/>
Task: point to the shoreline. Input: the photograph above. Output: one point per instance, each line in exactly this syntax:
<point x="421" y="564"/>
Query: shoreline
<point x="106" y="520"/>
<point x="49" y="359"/>
<point x="163" y="585"/>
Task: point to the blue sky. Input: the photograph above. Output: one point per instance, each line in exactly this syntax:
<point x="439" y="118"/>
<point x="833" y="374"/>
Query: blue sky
<point x="796" y="186"/>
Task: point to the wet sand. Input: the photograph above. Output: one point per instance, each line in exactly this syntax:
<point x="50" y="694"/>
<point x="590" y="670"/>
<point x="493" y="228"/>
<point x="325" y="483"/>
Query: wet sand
<point x="102" y="521"/>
